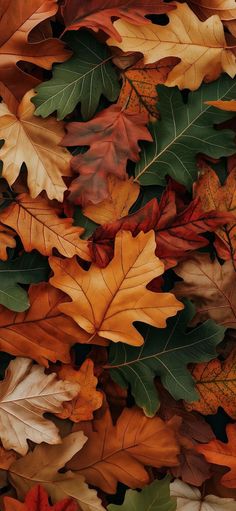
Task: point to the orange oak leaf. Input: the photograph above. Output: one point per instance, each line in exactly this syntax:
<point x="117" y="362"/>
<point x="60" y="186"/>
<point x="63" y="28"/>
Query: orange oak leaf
<point x="113" y="138"/>
<point x="81" y="408"/>
<point x="17" y="20"/>
<point x="107" y="301"/>
<point x="229" y="106"/>
<point x="216" y="384"/>
<point x="224" y="454"/>
<point x="6" y="240"/>
<point x="120" y="452"/>
<point x="37" y="500"/>
<point x="96" y="14"/>
<point x="35" y="142"/>
<point x="39" y="226"/>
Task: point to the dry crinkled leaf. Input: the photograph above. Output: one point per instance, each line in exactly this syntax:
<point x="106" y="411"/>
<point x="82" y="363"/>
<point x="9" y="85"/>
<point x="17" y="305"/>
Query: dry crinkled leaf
<point x="122" y="195"/>
<point x="26" y="394"/>
<point x="211" y="286"/>
<point x="39" y="226"/>
<point x="120" y="452"/>
<point x="37" y="500"/>
<point x="121" y="288"/>
<point x="81" y="408"/>
<point x="200" y="45"/>
<point x="35" y="142"/>
<point x="216" y="384"/>
<point x="6" y="241"/>
<point x="190" y="499"/>
<point x="41" y="467"/>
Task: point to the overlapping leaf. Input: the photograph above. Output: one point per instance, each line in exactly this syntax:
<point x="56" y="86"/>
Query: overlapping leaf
<point x="37" y="500"/>
<point x="155" y="497"/>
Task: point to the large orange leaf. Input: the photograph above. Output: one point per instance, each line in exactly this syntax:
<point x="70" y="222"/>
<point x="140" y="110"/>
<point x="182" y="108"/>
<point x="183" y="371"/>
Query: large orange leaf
<point x="17" y="19"/>
<point x="224" y="454"/>
<point x="120" y="452"/>
<point x="39" y="226"/>
<point x="35" y="142"/>
<point x="216" y="384"/>
<point x="107" y="301"/>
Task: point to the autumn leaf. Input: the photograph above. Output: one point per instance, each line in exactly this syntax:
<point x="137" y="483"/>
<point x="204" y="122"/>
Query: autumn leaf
<point x="215" y="382"/>
<point x="82" y="79"/>
<point x="189" y="498"/>
<point x="26" y="394"/>
<point x="89" y="399"/>
<point x="217" y="301"/>
<point x="225" y="9"/>
<point x="224" y="454"/>
<point x="6" y="241"/>
<point x="201" y="46"/>
<point x="41" y="467"/>
<point x="35" y="142"/>
<point x="113" y="138"/>
<point x="37" y="500"/>
<point x="97" y="15"/>
<point x="40" y="227"/>
<point x="123" y="297"/>
<point x="6" y="458"/>
<point x="229" y="106"/>
<point x="120" y="452"/>
<point x="15" y="27"/>
<point x="156" y="496"/>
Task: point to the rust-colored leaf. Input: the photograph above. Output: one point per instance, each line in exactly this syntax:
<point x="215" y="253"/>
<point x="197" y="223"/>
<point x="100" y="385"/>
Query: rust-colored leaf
<point x="7" y="240"/>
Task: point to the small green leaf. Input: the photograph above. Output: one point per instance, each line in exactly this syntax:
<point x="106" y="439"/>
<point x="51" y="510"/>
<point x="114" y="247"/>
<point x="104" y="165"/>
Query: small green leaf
<point x="183" y="131"/>
<point x="165" y="353"/>
<point x="83" y="78"/>
<point x="26" y="269"/>
<point x="154" y="497"/>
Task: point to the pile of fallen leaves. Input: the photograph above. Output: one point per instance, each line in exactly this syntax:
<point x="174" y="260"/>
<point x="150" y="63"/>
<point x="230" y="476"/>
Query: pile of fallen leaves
<point x="117" y="255"/>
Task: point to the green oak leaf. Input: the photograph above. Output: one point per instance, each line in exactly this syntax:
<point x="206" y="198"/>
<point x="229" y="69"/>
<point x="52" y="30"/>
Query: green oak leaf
<point x="154" y="497"/>
<point x="83" y="78"/>
<point x="165" y="353"/>
<point x="26" y="269"/>
<point x="183" y="131"/>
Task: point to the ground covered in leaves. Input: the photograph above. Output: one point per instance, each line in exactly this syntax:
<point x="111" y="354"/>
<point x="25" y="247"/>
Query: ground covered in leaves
<point x="117" y="255"/>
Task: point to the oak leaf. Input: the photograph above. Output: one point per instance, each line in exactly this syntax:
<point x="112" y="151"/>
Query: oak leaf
<point x="203" y="49"/>
<point x="26" y="394"/>
<point x="155" y="497"/>
<point x="225" y="9"/>
<point x="89" y="399"/>
<point x="41" y="467"/>
<point x="224" y="454"/>
<point x="15" y="27"/>
<point x="97" y="15"/>
<point x="120" y="452"/>
<point x="6" y="241"/>
<point x="211" y="286"/>
<point x="40" y="227"/>
<point x="113" y="138"/>
<point x="216" y="384"/>
<point x="123" y="297"/>
<point x="37" y="500"/>
<point x="190" y="498"/>
<point x="35" y="142"/>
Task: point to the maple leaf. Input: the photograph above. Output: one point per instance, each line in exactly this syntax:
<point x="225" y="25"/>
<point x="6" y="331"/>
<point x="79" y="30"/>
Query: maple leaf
<point x="34" y="142"/>
<point x="158" y="356"/>
<point x="27" y="393"/>
<point x="222" y="198"/>
<point x="216" y="385"/>
<point x="81" y="408"/>
<point x="113" y="138"/>
<point x="39" y="226"/>
<point x="6" y="240"/>
<point x="97" y="15"/>
<point x="211" y="286"/>
<point x="121" y="196"/>
<point x="41" y="467"/>
<point x="123" y="297"/>
<point x="224" y="454"/>
<point x="156" y="496"/>
<point x="84" y="78"/>
<point x="176" y="134"/>
<point x="120" y="452"/>
<point x="37" y="500"/>
<point x="189" y="498"/>
<point x="15" y="27"/>
<point x="200" y="45"/>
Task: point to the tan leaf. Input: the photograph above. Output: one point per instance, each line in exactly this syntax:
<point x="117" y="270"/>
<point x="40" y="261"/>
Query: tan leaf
<point x="26" y="394"/>
<point x="6" y="458"/>
<point x="225" y="9"/>
<point x="107" y="301"/>
<point x="35" y="142"/>
<point x="6" y="240"/>
<point x="190" y="498"/>
<point x="200" y="45"/>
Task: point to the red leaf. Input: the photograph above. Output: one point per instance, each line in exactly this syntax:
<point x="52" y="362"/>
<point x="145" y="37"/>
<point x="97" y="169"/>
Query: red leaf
<point x="37" y="500"/>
